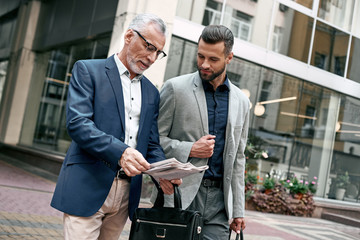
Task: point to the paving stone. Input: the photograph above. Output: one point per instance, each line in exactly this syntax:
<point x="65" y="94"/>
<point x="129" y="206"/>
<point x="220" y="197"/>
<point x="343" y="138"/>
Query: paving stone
<point x="25" y="213"/>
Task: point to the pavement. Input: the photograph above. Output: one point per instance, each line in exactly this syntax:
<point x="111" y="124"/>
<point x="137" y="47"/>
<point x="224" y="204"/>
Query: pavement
<point x="25" y="212"/>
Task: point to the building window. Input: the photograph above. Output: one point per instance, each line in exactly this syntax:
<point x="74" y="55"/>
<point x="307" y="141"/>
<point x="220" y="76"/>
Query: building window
<point x="3" y="70"/>
<point x="310" y="113"/>
<point x="50" y="130"/>
<point x="212" y="13"/>
<point x="265" y="91"/>
<point x="277" y="39"/>
<point x="337" y="12"/>
<point x="291" y="35"/>
<point x="241" y="25"/>
<point x="340" y="65"/>
<point x="320" y="60"/>
<point x="238" y="22"/>
<point x="235" y="78"/>
<point x="353" y="72"/>
<point x="330" y="49"/>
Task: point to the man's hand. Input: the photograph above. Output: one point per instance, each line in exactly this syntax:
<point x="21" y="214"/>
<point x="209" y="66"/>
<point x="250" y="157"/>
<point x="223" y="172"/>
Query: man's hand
<point x="167" y="185"/>
<point x="204" y="147"/>
<point x="237" y="224"/>
<point x="133" y="163"/>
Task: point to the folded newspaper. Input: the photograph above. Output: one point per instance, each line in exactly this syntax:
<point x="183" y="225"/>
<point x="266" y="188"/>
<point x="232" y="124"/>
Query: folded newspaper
<point x="173" y="169"/>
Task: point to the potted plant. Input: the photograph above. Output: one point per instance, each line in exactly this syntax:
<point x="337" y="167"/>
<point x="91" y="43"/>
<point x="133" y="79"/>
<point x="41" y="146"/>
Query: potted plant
<point x="269" y="184"/>
<point x="341" y="181"/>
<point x="297" y="187"/>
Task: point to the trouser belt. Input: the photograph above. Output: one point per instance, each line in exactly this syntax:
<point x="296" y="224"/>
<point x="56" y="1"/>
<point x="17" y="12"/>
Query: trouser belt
<point x="206" y="182"/>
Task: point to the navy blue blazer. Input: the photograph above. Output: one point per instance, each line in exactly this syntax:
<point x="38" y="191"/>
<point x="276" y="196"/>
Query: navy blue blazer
<point x="95" y="120"/>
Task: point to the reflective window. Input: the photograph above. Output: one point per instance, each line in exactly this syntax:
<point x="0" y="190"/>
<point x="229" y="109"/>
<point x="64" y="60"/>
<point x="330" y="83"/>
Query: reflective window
<point x="330" y="49"/>
<point x="356" y="26"/>
<point x="212" y="14"/>
<point x="240" y="23"/>
<point x="3" y="70"/>
<point x="50" y="119"/>
<point x="275" y="122"/>
<point x="181" y="58"/>
<point x="354" y="60"/>
<point x="291" y="28"/>
<point x="7" y="30"/>
<point x="248" y="21"/>
<point x="337" y="12"/>
<point x="305" y="3"/>
<point x="50" y="130"/>
<point x="346" y="152"/>
<point x="292" y="33"/>
<point x="305" y="128"/>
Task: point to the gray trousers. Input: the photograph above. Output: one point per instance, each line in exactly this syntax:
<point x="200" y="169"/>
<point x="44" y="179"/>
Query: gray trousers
<point x="209" y="201"/>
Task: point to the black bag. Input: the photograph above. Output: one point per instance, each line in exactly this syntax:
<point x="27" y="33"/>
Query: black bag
<point x="166" y="223"/>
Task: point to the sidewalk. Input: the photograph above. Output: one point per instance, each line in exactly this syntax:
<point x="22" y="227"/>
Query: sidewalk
<point x="25" y="212"/>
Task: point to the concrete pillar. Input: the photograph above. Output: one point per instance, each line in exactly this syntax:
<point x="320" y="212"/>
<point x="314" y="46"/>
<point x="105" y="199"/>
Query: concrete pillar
<point x="19" y="71"/>
<point x="36" y="88"/>
<point x="126" y="11"/>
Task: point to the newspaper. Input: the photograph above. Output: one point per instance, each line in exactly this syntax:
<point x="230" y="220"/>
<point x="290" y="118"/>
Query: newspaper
<point x="173" y="169"/>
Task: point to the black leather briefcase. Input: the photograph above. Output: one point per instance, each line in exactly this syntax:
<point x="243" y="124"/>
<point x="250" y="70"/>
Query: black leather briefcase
<point x="166" y="223"/>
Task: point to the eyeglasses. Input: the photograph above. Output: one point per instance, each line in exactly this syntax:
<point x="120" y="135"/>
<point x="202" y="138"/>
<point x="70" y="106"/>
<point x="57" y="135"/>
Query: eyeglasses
<point x="151" y="48"/>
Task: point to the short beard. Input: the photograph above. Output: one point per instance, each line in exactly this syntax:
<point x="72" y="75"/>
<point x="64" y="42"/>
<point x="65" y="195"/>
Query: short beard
<point x="133" y="67"/>
<point x="209" y="78"/>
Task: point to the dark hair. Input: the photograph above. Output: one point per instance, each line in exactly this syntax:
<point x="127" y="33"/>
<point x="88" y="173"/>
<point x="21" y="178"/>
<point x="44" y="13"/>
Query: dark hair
<point x="218" y="33"/>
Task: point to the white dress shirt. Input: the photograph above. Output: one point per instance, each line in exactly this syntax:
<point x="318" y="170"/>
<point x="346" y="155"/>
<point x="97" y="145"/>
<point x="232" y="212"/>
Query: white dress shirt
<point x="132" y="103"/>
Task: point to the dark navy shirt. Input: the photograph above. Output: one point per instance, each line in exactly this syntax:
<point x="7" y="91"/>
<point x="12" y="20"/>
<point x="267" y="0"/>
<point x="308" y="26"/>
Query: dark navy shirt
<point x="217" y="106"/>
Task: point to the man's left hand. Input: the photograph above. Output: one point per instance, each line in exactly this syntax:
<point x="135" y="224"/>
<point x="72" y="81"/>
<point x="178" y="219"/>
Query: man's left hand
<point x="237" y="224"/>
<point x="167" y="185"/>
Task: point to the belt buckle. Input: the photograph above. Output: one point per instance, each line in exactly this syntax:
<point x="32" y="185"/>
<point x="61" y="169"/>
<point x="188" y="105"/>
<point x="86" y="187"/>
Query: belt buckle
<point x="207" y="182"/>
<point x="120" y="174"/>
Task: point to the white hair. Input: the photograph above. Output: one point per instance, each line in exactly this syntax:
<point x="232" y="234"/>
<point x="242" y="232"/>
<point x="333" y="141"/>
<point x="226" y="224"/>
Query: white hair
<point x="141" y="21"/>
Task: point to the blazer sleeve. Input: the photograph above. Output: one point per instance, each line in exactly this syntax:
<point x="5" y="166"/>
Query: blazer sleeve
<point x="79" y="118"/>
<point x="238" y="180"/>
<point x="172" y="147"/>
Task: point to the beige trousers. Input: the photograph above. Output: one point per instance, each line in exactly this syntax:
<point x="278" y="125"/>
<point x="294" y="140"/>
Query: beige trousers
<point x="107" y="223"/>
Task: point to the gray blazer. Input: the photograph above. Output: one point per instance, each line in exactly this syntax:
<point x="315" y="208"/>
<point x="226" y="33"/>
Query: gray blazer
<point x="183" y="119"/>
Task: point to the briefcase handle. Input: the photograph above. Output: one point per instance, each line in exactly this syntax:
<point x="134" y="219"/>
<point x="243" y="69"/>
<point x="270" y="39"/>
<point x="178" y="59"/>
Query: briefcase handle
<point x="159" y="202"/>
<point x="239" y="236"/>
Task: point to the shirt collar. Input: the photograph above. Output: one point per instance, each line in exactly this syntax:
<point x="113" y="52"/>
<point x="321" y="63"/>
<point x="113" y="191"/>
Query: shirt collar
<point x="123" y="69"/>
<point x="225" y="86"/>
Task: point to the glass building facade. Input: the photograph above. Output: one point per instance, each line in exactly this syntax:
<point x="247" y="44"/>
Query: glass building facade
<point x="297" y="60"/>
<point x="309" y="128"/>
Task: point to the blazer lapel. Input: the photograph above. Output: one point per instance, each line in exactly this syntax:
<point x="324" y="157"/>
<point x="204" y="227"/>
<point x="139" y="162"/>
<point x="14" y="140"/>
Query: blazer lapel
<point x="201" y="103"/>
<point x="233" y="105"/>
<point x="113" y="74"/>
<point x="144" y="102"/>
<point x="231" y="122"/>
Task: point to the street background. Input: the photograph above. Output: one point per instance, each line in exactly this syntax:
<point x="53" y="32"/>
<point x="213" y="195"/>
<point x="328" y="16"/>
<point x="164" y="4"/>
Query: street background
<point x="25" y="212"/>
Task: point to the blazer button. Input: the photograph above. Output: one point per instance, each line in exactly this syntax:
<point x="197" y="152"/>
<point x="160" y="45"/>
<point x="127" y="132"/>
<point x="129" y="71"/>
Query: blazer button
<point x="122" y="139"/>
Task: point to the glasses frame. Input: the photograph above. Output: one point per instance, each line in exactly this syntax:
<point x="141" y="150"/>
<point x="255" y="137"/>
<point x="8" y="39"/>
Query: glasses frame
<point x="151" y="48"/>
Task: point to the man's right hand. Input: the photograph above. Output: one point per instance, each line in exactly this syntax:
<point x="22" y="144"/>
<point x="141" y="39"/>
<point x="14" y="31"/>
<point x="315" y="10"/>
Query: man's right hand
<point x="133" y="162"/>
<point x="204" y="147"/>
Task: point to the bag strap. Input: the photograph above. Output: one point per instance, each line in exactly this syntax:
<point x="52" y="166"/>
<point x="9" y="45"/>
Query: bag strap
<point x="177" y="197"/>
<point x="159" y="202"/>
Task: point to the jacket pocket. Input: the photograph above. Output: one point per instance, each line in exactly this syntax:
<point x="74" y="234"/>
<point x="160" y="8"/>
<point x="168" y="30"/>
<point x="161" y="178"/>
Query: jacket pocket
<point x="79" y="159"/>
